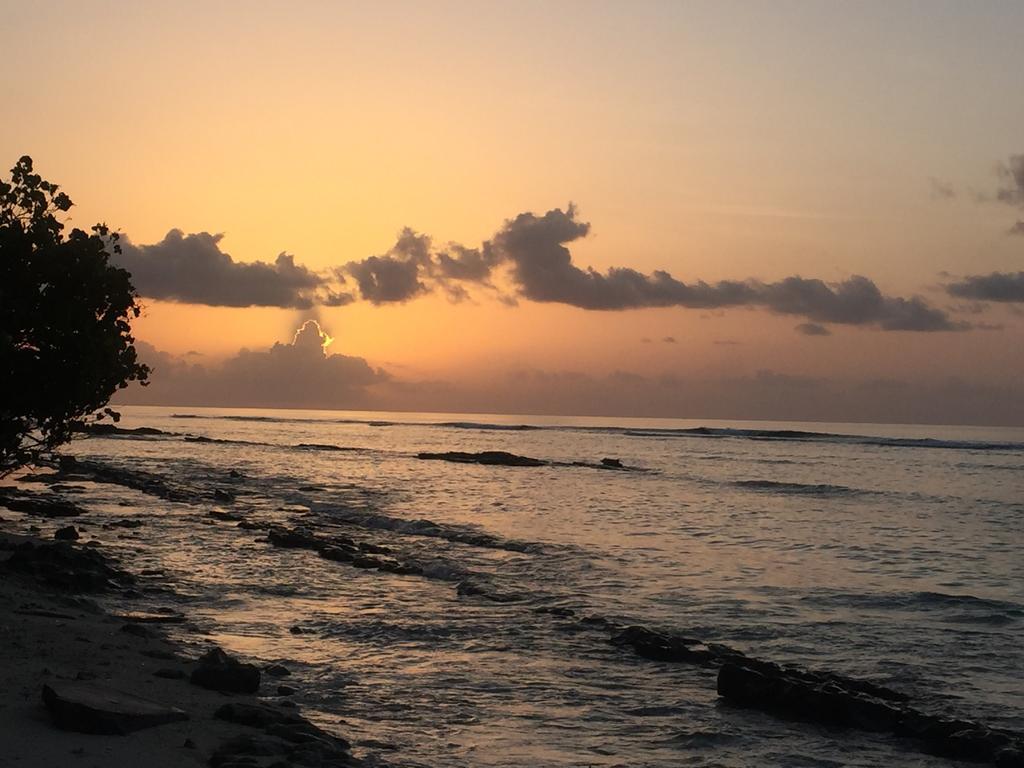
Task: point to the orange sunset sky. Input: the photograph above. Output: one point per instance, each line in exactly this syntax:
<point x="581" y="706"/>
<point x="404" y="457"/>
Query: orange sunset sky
<point x="748" y="142"/>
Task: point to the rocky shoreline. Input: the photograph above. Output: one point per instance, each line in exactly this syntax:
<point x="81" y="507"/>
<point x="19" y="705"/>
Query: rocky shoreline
<point x="210" y="709"/>
<point x="90" y="686"/>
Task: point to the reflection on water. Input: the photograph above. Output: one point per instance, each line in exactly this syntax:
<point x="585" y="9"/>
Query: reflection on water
<point x="885" y="552"/>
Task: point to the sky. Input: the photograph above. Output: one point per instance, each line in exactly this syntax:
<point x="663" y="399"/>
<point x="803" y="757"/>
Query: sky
<point x="773" y="210"/>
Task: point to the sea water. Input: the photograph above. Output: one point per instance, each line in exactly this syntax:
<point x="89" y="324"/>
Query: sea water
<point x="891" y="553"/>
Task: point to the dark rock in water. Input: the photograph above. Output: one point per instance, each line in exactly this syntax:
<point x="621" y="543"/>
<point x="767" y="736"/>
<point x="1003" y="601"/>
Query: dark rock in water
<point x="145" y="482"/>
<point x="498" y="458"/>
<point x="227" y="517"/>
<point x="289" y="726"/>
<point x="92" y="708"/>
<point x="337" y="554"/>
<point x="823" y="699"/>
<point x="110" y="429"/>
<point x="617" y="463"/>
<point x="277" y="670"/>
<point x="294" y="538"/>
<point x="373" y="549"/>
<point x="43" y="505"/>
<point x="556" y="611"/>
<point x="780" y="693"/>
<point x="67" y="533"/>
<point x="127" y="523"/>
<point x="663" y="647"/>
<point x="471" y="588"/>
<point x="67" y="567"/>
<point x="220" y="672"/>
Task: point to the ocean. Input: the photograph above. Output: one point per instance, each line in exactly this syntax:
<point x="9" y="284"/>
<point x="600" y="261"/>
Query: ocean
<point x="890" y="553"/>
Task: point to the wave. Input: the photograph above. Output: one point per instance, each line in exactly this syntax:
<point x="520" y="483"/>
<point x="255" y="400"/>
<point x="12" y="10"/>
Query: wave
<point x="793" y="435"/>
<point x="705" y="432"/>
<point x="957" y="609"/>
<point x="808" y="489"/>
<point x="421" y="527"/>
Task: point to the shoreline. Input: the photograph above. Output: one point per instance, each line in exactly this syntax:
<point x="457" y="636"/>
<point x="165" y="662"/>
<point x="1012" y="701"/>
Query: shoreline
<point x="66" y="640"/>
<point x="48" y="629"/>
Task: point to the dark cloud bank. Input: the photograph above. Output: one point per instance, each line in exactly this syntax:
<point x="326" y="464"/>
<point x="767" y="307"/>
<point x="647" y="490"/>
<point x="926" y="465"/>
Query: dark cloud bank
<point x="997" y="286"/>
<point x="532" y="252"/>
<point x="301" y="374"/>
<point x="194" y="270"/>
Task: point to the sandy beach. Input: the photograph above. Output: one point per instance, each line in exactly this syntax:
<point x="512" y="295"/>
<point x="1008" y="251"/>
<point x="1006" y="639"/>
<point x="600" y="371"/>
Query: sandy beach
<point x="62" y="639"/>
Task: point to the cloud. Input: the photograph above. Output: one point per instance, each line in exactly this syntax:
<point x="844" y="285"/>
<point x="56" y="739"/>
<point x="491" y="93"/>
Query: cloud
<point x="997" y="286"/>
<point x="532" y="254"/>
<point x="813" y="329"/>
<point x="542" y="268"/>
<point x="193" y="269"/>
<point x="394" y="276"/>
<point x="412" y="268"/>
<point x="300" y="373"/>
<point x="1011" y="174"/>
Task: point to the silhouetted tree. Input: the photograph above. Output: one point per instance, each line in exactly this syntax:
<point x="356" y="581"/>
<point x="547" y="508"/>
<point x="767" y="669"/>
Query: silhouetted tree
<point x="65" y="313"/>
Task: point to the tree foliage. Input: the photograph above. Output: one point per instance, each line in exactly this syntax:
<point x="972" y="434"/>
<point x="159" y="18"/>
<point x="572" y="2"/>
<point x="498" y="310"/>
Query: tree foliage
<point x="65" y="320"/>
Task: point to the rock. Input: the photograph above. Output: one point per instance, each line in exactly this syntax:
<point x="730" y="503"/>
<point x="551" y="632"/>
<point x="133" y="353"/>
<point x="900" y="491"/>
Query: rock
<point x="67" y="533"/>
<point x="222" y="495"/>
<point x="220" y="672"/>
<point x="294" y="538"/>
<point x="227" y="517"/>
<point x="234" y="473"/>
<point x="286" y="690"/>
<point x="823" y="698"/>
<point x="67" y="567"/>
<point x="616" y="463"/>
<point x="92" y="428"/>
<point x="92" y="708"/>
<point x="498" y="458"/>
<point x="662" y="647"/>
<point x="337" y="554"/>
<point x="474" y="589"/>
<point x="254" y="715"/>
<point x="277" y="670"/>
<point x="373" y="549"/>
<point x="556" y="611"/>
<point x="43" y="505"/>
